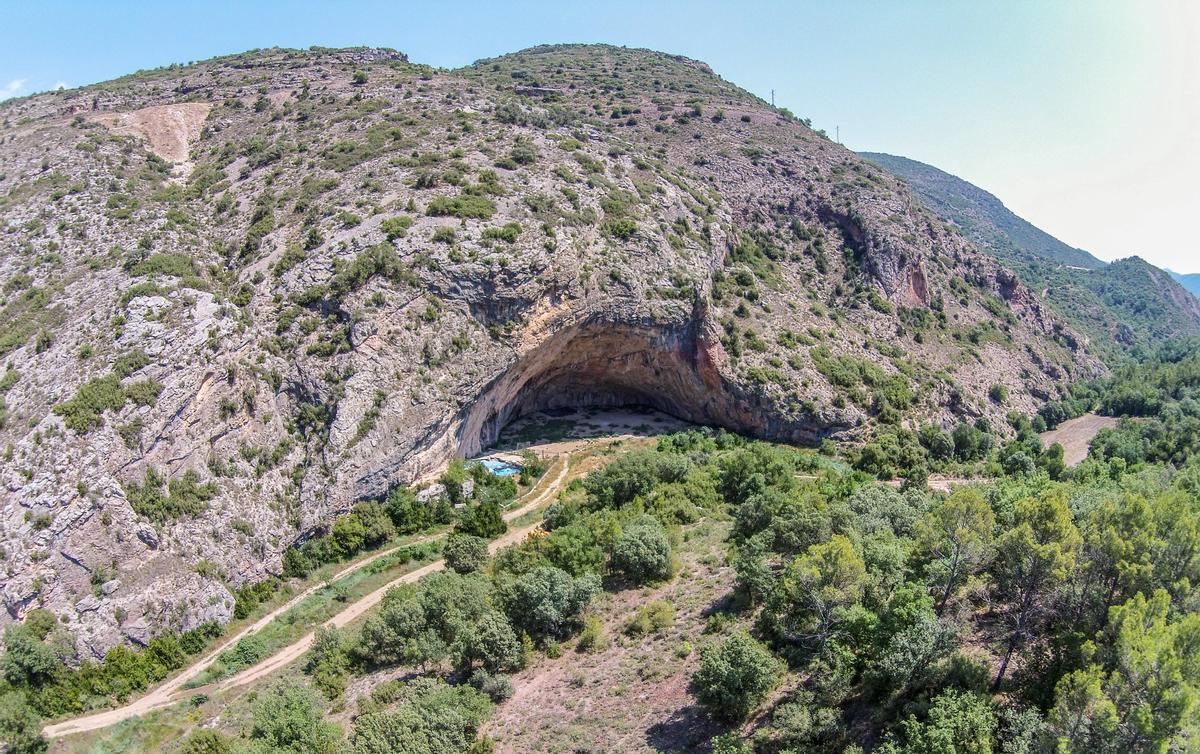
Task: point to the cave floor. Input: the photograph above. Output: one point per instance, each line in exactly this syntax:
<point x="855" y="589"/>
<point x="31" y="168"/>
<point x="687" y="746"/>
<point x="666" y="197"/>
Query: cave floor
<point x="557" y="431"/>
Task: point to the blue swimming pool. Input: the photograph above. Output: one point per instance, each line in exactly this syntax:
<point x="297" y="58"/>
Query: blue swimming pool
<point x="500" y="468"/>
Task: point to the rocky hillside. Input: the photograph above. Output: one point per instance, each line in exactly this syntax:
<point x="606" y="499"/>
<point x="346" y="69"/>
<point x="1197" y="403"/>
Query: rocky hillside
<point x="1127" y="306"/>
<point x="982" y="216"/>
<point x="243" y="294"/>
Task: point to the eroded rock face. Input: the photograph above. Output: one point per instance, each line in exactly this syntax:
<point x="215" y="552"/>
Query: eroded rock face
<point x="358" y="282"/>
<point x="670" y="366"/>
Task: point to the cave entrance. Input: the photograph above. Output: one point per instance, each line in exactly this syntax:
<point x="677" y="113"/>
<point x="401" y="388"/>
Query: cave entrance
<point x="601" y="365"/>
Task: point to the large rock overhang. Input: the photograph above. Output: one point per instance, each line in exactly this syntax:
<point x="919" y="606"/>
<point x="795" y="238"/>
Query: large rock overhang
<point x="595" y="362"/>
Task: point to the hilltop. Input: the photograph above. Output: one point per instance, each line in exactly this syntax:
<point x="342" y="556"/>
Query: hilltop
<point x="243" y="295"/>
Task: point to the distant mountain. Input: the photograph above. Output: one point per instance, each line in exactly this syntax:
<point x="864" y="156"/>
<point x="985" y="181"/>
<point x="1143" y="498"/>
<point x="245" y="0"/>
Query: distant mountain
<point x="982" y="216"/>
<point x="1190" y="281"/>
<point x="1123" y="307"/>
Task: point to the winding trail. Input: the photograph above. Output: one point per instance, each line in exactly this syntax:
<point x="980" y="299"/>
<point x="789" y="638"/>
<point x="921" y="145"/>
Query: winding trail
<point x="172" y="691"/>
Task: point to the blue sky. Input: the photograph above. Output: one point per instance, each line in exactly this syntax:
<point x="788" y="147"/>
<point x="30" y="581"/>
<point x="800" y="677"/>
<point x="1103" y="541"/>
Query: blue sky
<point x="1082" y="117"/>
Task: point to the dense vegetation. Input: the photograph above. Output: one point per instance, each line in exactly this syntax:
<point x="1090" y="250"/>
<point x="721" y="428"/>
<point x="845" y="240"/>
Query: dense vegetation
<point x="1049" y="609"/>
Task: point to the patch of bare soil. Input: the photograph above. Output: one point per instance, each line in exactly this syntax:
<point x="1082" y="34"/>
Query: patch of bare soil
<point x="1075" y="435"/>
<point x="168" y="130"/>
<point x="633" y="695"/>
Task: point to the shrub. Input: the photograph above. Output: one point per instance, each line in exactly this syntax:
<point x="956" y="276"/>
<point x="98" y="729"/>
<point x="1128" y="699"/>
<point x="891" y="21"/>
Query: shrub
<point x="84" y="412"/>
<point x="396" y="227"/>
<point x="128" y="363"/>
<point x="206" y="742"/>
<point x="735" y="676"/>
<point x="508" y="233"/>
<point x="621" y="228"/>
<point x="464" y="206"/>
<point x="185" y="496"/>
<point x="496" y="687"/>
<point x="465" y="553"/>
<point x="998" y="393"/>
<point x="444" y="235"/>
<point x="642" y="552"/>
<point x="592" y="637"/>
<point x="171" y="265"/>
<point x="653" y="618"/>
<point x="144" y="392"/>
<point x="524" y="153"/>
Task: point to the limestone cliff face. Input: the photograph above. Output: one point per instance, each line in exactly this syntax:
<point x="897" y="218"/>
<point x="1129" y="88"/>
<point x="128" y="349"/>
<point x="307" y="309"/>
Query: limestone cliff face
<point x="361" y="267"/>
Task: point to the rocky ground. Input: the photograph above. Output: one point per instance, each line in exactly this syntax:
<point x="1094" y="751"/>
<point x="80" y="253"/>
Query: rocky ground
<point x="287" y="280"/>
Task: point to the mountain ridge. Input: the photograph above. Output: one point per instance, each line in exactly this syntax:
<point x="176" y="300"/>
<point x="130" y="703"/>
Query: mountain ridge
<point x="1126" y="306"/>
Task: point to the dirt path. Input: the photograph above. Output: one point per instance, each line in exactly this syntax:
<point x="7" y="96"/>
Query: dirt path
<point x="1076" y="434"/>
<point x="940" y="483"/>
<point x="172" y="691"/>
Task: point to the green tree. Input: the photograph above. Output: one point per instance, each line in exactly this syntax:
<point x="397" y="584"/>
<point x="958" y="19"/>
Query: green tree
<point x="493" y="644"/>
<point x="958" y="722"/>
<point x="632" y="476"/>
<point x="1144" y="695"/>
<point x="816" y="593"/>
<point x="482" y="520"/>
<point x="1117" y="554"/>
<point x="642" y="552"/>
<point x="288" y="717"/>
<point x="575" y="548"/>
<point x="1034" y="557"/>
<point x="956" y="537"/>
<point x="20" y="727"/>
<point x="730" y="743"/>
<point x="735" y="676"/>
<point x="28" y="659"/>
<point x="913" y="641"/>
<point x="426" y="624"/>
<point x="453" y="478"/>
<point x="430" y="717"/>
<point x="1083" y="719"/>
<point x="465" y="553"/>
<point x="547" y="601"/>
<point x="328" y="662"/>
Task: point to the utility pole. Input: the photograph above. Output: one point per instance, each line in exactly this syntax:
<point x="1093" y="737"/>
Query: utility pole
<point x="838" y="131"/>
<point x="772" y="98"/>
